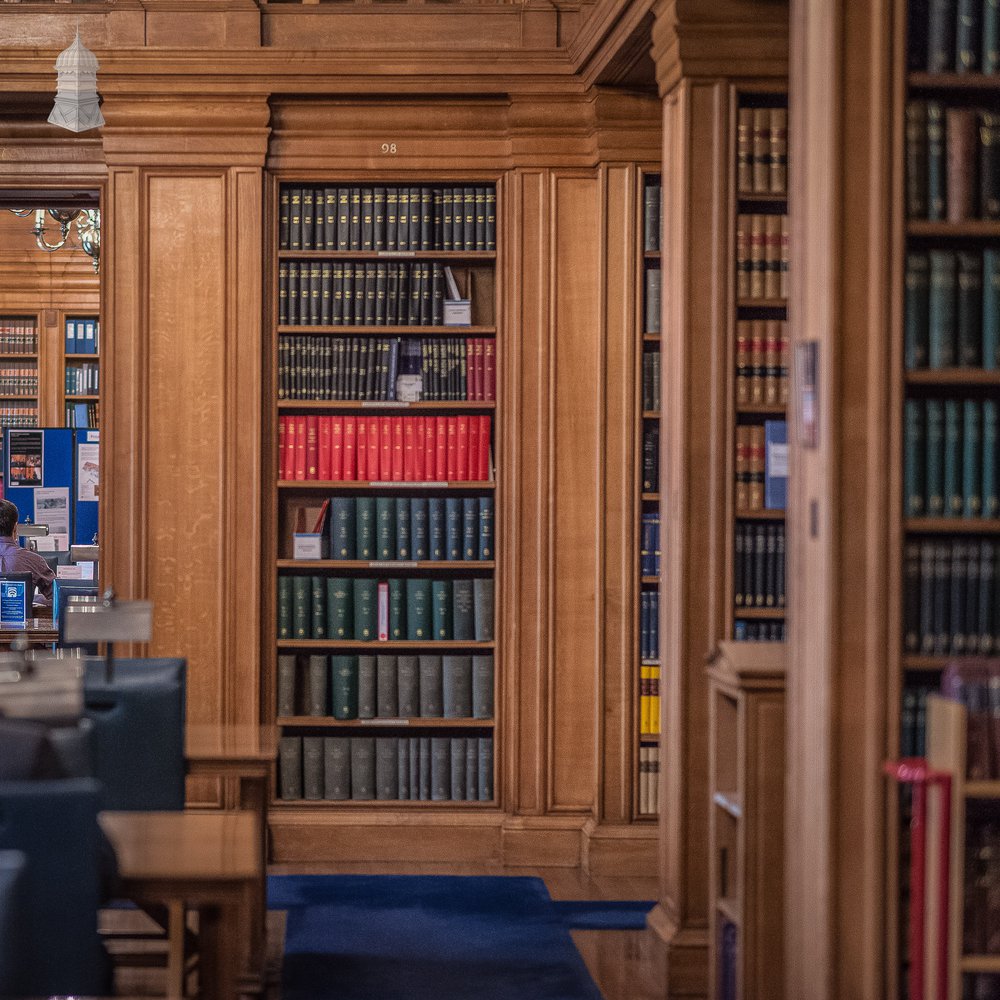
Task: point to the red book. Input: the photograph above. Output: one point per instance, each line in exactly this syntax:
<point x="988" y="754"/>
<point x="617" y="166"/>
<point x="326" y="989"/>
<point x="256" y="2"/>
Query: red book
<point x="373" y="448"/>
<point x="326" y="448"/>
<point x="350" y="446"/>
<point x="441" y="449"/>
<point x="312" y="446"/>
<point x="430" y="449"/>
<point x="452" y="466"/>
<point x="397" y="449"/>
<point x="337" y="449"/>
<point x="385" y="449"/>
<point x="281" y="447"/>
<point x="462" y="447"/>
<point x="361" y="450"/>
<point x="409" y="449"/>
<point x="477" y="367"/>
<point x="419" y="454"/>
<point x="483" y="472"/>
<point x="300" y="448"/>
<point x="489" y="370"/>
<point x="473" y="447"/>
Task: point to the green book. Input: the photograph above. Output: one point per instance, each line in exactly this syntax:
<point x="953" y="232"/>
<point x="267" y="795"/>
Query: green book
<point x="942" y="308"/>
<point x="952" y="458"/>
<point x="284" y="607"/>
<point x="442" y="609"/>
<point x="319" y="607"/>
<point x="365" y="608"/>
<point x="419" y="539"/>
<point x="916" y="317"/>
<point x="343" y="515"/>
<point x="470" y="527"/>
<point x="972" y="451"/>
<point x="418" y="609"/>
<point x="935" y="457"/>
<point x="915" y="452"/>
<point x="969" y="309"/>
<point x="385" y="519"/>
<point x="486" y="527"/>
<point x="936" y="168"/>
<point x="302" y="607"/>
<point x="340" y="607"/>
<point x="435" y="521"/>
<point x="453" y="527"/>
<point x="344" y="686"/>
<point x="991" y="436"/>
<point x="403" y="546"/>
<point x="397" y="607"/>
<point x="991" y="36"/>
<point x="365" y="535"/>
<point x="463" y="623"/>
<point x="991" y="309"/>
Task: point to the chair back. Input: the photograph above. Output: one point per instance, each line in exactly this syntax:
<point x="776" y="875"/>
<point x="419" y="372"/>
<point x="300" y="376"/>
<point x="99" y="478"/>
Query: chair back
<point x="138" y="738"/>
<point x="54" y="825"/>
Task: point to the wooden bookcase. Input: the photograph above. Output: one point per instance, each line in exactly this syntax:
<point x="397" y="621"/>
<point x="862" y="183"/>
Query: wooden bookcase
<point x="475" y="273"/>
<point x="746" y="768"/>
<point x="83" y="366"/>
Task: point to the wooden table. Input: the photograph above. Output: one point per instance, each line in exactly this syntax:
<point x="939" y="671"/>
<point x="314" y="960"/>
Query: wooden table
<point x="246" y="754"/>
<point x="38" y="631"/>
<point x="209" y="861"/>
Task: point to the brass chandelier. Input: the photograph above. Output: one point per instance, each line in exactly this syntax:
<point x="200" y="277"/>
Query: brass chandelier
<point x="79" y="228"/>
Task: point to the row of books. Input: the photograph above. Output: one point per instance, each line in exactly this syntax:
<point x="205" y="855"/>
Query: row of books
<point x="761" y="151"/>
<point x="384" y="449"/>
<point x="651" y="380"/>
<point x="950" y="596"/>
<point x="649" y="699"/>
<point x="979" y="692"/>
<point x="390" y="218"/>
<point x="758" y="631"/>
<point x="19" y="378"/>
<point x="386" y="687"/>
<point x="950" y="457"/>
<point x="649" y="625"/>
<point x="405" y="369"/>
<point x="762" y="256"/>
<point x="410" y="609"/>
<point x="386" y="768"/>
<point x="82" y="335"/>
<point x="951" y="36"/>
<point x="759" y="567"/>
<point x="761" y="362"/>
<point x="82" y="379"/>
<point x="761" y="466"/>
<point x="14" y="415"/>
<point x="913" y="720"/>
<point x="952" y="312"/>
<point x="342" y="293"/>
<point x="981" y="986"/>
<point x="18" y="336"/>
<point x="82" y="415"/>
<point x="650" y="457"/>
<point x="652" y="216"/>
<point x="651" y="301"/>
<point x="649" y="549"/>
<point x="649" y="780"/>
<point x="381" y="528"/>
<point x="952" y="162"/>
<point x="981" y="889"/>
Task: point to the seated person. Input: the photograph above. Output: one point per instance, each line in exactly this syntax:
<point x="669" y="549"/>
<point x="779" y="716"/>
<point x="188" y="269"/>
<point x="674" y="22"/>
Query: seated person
<point x="14" y="559"/>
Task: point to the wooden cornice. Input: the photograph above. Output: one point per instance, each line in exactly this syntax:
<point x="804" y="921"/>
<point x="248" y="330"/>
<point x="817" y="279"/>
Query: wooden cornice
<point x="612" y="33"/>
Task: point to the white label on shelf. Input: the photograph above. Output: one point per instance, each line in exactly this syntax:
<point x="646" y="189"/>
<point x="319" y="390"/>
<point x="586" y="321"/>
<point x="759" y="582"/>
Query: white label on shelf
<point x="397" y="253"/>
<point x="401" y="484"/>
<point x="392" y="564"/>
<point x="369" y="404"/>
<point x="384" y="722"/>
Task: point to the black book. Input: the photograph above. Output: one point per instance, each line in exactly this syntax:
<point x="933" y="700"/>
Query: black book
<point x="379" y="209"/>
<point x="988" y="618"/>
<point x="957" y="597"/>
<point x="336" y="768"/>
<point x="319" y="217"/>
<point x="485" y="769"/>
<point x="437" y="239"/>
<point x="391" y="218"/>
<point x="942" y="604"/>
<point x="416" y="283"/>
<point x="403" y="219"/>
<point x="989" y="165"/>
<point x="431" y="687"/>
<point x="491" y="219"/>
<point x="292" y="303"/>
<point x="403" y="769"/>
<point x="359" y="294"/>
<point x="403" y="295"/>
<point x="440" y="768"/>
<point x="926" y="598"/>
<point x="308" y="234"/>
<point x="457" y="219"/>
<point x="916" y="159"/>
<point x="283" y="293"/>
<point x="759" y="560"/>
<point x="326" y="293"/>
<point x="941" y="27"/>
<point x="415" y="218"/>
<point x="370" y="295"/>
<point x="425" y="768"/>
<point x="991" y="36"/>
<point x="426" y="293"/>
<point x="387" y="768"/>
<point x="779" y="573"/>
<point x="367" y="687"/>
<point x="480" y="221"/>
<point x="447" y="202"/>
<point x="968" y="36"/>
<point x="469" y="218"/>
<point x="367" y="219"/>
<point x="458" y="768"/>
<point x="437" y="295"/>
<point x="381" y="293"/>
<point x="482" y="588"/>
<point x="343" y="210"/>
<point x="415" y="768"/>
<point x="969" y="308"/>
<point x="971" y="607"/>
<point x="426" y="218"/>
<point x="769" y="567"/>
<point x="290" y="767"/>
<point x="650" y="459"/>
<point x="312" y="767"/>
<point x="392" y="295"/>
<point x="482" y="686"/>
<point x="284" y="204"/>
<point x="295" y="219"/>
<point x="330" y="219"/>
<point x="362" y="767"/>
<point x="354" y="239"/>
<point x="420" y="540"/>
<point x="337" y="293"/>
<point x="471" y="768"/>
<point x="651" y="217"/>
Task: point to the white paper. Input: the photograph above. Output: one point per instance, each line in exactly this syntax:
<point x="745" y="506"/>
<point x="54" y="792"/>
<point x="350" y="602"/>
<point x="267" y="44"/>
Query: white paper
<point x="88" y="471"/>
<point x="52" y="508"/>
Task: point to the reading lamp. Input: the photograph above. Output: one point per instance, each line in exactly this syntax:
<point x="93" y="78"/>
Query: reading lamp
<point x="107" y="620"/>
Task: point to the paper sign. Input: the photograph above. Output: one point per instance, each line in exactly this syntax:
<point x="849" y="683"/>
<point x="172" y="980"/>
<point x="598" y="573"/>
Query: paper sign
<point x="52" y="508"/>
<point x="25" y="462"/>
<point x="88" y="471"/>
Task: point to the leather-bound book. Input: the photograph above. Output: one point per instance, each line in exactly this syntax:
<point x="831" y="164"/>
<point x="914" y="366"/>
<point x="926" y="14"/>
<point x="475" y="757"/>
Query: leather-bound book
<point x="963" y="160"/>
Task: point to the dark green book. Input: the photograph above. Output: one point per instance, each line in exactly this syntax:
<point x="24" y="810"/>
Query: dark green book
<point x="440" y="768"/>
<point x="336" y="768"/>
<point x="284" y="607"/>
<point x="486" y="769"/>
<point x="458" y="768"/>
<point x="420" y="539"/>
<point x="936" y="168"/>
<point x="343" y="518"/>
<point x="972" y="455"/>
<point x="911" y="597"/>
<point x="457" y="686"/>
<point x="958" y="579"/>
<point x="971" y="626"/>
<point x="418" y="609"/>
<point x="365" y="537"/>
<point x="969" y="309"/>
<point x="365" y="609"/>
<point x="968" y="36"/>
<point x="397" y="610"/>
<point x="991" y="441"/>
<point x="482" y="686"/>
<point x="317" y="703"/>
<point x="403" y="549"/>
<point x="942" y="308"/>
<point x="486" y="527"/>
<point x="441" y="613"/>
<point x="916" y="319"/>
<point x="952" y="458"/>
<point x="453" y="527"/>
<point x="483" y="608"/>
<point x="927" y="551"/>
<point x="302" y="607"/>
<point x="312" y="767"/>
<point x="991" y="309"/>
<point x="340" y="607"/>
<point x="319" y="607"/>
<point x="431" y="687"/>
<point x="344" y="686"/>
<point x="385" y="518"/>
<point x="988" y="616"/>
<point x="915" y="452"/>
<point x="435" y="522"/>
<point x="991" y="36"/>
<point x="408" y="687"/>
<point x="290" y="767"/>
<point x="362" y="768"/>
<point x="935" y="457"/>
<point x="367" y="687"/>
<point x="463" y="620"/>
<point x="942" y="599"/>
<point x="388" y="689"/>
<point x="470" y="527"/>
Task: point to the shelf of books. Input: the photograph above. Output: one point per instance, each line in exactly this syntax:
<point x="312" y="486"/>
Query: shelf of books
<point x="382" y="674"/>
<point x="81" y="369"/>
<point x="18" y="373"/>
<point x="946" y="376"/>
<point x="648" y="570"/>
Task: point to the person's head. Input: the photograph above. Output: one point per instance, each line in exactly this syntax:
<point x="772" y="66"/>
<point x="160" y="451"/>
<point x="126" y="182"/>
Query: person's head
<point x="8" y="519"/>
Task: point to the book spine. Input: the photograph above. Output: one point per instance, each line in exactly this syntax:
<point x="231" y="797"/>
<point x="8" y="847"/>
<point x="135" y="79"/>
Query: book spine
<point x="916" y="321"/>
<point x="915" y="452"/>
<point x="942" y="308"/>
<point x="317" y="703"/>
<point x="463" y="627"/>
<point x="952" y="458"/>
<point x="344" y="677"/>
<point x="961" y="149"/>
<point x="336" y="768"/>
<point x="485" y="769"/>
<point x="387" y="687"/>
<point x="367" y="687"/>
<point x="457" y="686"/>
<point x="969" y="309"/>
<point x="362" y="768"/>
<point x="408" y="687"/>
<point x="312" y="767"/>
<point x="365" y="609"/>
<point x="972" y="458"/>
<point x="483" y="608"/>
<point x="482" y="687"/>
<point x="441" y="609"/>
<point x="286" y="684"/>
<point x="458" y="768"/>
<point x="431" y="687"/>
<point x="941" y="36"/>
<point x="440" y="768"/>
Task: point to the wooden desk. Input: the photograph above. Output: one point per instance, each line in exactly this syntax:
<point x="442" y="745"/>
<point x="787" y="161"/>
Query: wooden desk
<point x="210" y="861"/>
<point x="38" y="631"/>
<point x="246" y="754"/>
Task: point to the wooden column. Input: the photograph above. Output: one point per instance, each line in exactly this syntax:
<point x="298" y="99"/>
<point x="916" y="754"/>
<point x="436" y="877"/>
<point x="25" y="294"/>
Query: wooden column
<point x="701" y="49"/>
<point x="181" y="476"/>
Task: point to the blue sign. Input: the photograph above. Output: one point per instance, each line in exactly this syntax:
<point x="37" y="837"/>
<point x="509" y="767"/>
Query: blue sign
<point x="13" y="602"/>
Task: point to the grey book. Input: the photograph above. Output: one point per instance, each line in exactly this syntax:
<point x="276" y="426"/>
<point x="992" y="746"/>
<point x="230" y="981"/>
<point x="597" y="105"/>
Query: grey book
<point x="458" y="776"/>
<point x="312" y="767"/>
<point x="318" y="702"/>
<point x="290" y="767"/>
<point x="482" y="687"/>
<point x="388" y="696"/>
<point x="471" y="768"/>
<point x="408" y="686"/>
<point x="366" y="687"/>
<point x="485" y="769"/>
<point x="462" y="619"/>
<point x="286" y="685"/>
<point x="425" y="768"/>
<point x="336" y="767"/>
<point x="414" y="767"/>
<point x="457" y="686"/>
<point x="483" y="599"/>
<point x="431" y="693"/>
<point x="403" y="768"/>
<point x="440" y="768"/>
<point x="387" y="768"/>
<point x="363" y="767"/>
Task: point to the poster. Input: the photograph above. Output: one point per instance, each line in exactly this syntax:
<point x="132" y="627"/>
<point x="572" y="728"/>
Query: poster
<point x="27" y="451"/>
<point x="88" y="471"/>
<point x="52" y="508"/>
<point x="13" y="602"/>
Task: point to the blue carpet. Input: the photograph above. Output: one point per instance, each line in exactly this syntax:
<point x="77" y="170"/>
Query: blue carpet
<point x="408" y="937"/>
<point x="604" y="915"/>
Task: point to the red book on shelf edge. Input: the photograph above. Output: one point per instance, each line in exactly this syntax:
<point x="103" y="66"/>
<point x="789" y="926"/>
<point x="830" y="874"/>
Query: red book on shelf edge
<point x="430" y="449"/>
<point x="373" y="448"/>
<point x="300" y="448"/>
<point x="283" y="449"/>
<point x="397" y="449"/>
<point x="385" y="449"/>
<point x="483" y="472"/>
<point x="441" y="449"/>
<point x="350" y="471"/>
<point x="462" y="449"/>
<point x="325" y="465"/>
<point x="473" y="448"/>
<point x="361" y="450"/>
<point x="452" y="466"/>
<point x="489" y="369"/>
<point x="321" y="518"/>
<point x="419" y="446"/>
<point x="337" y="449"/>
<point x="312" y="446"/>
<point x="409" y="449"/>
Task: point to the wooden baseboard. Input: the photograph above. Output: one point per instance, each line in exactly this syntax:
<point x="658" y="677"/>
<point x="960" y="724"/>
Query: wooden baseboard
<point x="620" y="850"/>
<point x="686" y="950"/>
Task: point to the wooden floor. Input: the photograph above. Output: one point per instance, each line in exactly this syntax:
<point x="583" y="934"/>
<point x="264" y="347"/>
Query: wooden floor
<point x="626" y="965"/>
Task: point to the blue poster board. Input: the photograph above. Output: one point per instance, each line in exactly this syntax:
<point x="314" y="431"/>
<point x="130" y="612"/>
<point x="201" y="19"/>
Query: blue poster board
<point x="37" y="457"/>
<point x="86" y="486"/>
